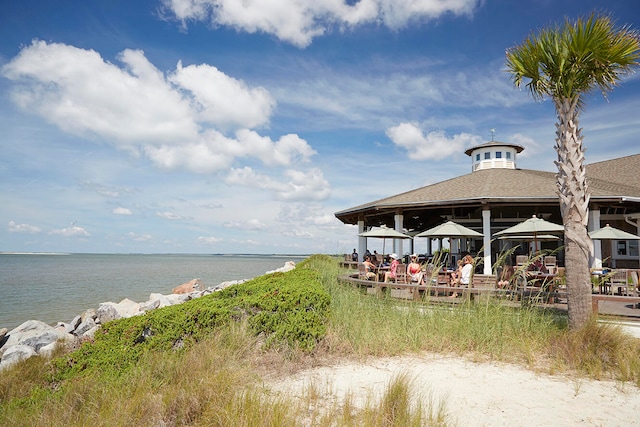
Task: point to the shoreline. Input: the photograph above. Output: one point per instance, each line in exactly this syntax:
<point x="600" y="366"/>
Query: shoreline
<point x="53" y="287"/>
<point x="35" y="337"/>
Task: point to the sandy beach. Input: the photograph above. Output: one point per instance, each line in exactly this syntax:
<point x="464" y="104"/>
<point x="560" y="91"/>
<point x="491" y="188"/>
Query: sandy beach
<point x="480" y="394"/>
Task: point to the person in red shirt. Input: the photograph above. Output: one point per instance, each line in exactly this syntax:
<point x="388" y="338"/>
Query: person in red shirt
<point x="391" y="274"/>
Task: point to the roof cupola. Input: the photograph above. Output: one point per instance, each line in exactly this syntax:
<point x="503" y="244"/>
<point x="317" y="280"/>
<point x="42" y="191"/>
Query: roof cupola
<point x="493" y="155"/>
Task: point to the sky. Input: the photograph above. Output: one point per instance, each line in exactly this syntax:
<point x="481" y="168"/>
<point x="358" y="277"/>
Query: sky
<point x="229" y="126"/>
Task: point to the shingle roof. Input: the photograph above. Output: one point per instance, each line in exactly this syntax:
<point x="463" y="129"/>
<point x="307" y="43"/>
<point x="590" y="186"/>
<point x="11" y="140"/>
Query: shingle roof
<point x="611" y="179"/>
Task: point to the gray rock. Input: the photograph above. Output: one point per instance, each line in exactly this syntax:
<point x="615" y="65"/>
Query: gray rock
<point x="35" y="334"/>
<point x="106" y="312"/>
<point x="75" y="322"/>
<point x="48" y="349"/>
<point x="84" y="327"/>
<point x="127" y="308"/>
<point x="90" y="333"/>
<point x="149" y="305"/>
<point x="168" y="300"/>
<point x="88" y="313"/>
<point x="15" y="354"/>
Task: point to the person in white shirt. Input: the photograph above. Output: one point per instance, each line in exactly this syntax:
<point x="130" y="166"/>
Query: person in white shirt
<point x="465" y="274"/>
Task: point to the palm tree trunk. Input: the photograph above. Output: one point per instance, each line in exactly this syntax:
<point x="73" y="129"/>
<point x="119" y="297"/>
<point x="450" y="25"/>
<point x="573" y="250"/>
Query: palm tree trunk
<point x="574" y="205"/>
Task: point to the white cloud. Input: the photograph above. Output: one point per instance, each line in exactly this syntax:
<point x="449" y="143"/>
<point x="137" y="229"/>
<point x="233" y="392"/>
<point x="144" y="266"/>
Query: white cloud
<point x="140" y="237"/>
<point x="297" y="233"/>
<point x="298" y="22"/>
<point x="376" y="95"/>
<point x="252" y="224"/>
<point x="287" y="150"/>
<point x="83" y="94"/>
<point x="309" y="185"/>
<point x="73" y="231"/>
<point x="22" y="228"/>
<point x="170" y="216"/>
<point x="434" y="145"/>
<point x="122" y="211"/>
<point x="176" y="120"/>
<point x="532" y="147"/>
<point x="212" y="90"/>
<point x="209" y="240"/>
<point x="104" y="190"/>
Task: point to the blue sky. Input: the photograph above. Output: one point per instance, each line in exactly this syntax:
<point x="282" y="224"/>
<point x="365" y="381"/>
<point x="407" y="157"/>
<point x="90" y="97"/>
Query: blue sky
<point x="221" y="126"/>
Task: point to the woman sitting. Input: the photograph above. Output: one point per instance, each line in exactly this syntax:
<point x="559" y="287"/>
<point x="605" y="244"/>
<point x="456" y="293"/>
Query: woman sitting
<point x="504" y="280"/>
<point x="415" y="270"/>
<point x="465" y="274"/>
<point x="370" y="267"/>
<point x="391" y="274"/>
<point x="455" y="276"/>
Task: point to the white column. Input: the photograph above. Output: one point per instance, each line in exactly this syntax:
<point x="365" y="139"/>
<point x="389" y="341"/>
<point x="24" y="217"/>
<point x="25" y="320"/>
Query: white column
<point x="397" y="243"/>
<point x="638" y="234"/>
<point x="595" y="259"/>
<point x="362" y="241"/>
<point x="486" y="240"/>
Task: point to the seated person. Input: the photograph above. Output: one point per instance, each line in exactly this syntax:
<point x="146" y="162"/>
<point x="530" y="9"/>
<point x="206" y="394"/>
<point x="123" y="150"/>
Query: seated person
<point x="391" y="274"/>
<point x="370" y="267"/>
<point x="455" y="276"/>
<point x="465" y="274"/>
<point x="415" y="270"/>
<point x="467" y="268"/>
<point x="504" y="279"/>
<point x="354" y="255"/>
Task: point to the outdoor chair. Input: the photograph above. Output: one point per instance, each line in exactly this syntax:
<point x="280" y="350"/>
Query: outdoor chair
<point x="550" y="264"/>
<point x="619" y="283"/>
<point x="633" y="278"/>
<point x="401" y="273"/>
<point x="521" y="260"/>
<point x="362" y="272"/>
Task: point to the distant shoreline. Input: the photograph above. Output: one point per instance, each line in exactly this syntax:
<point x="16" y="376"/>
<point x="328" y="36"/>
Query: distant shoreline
<point x="167" y="254"/>
<point x="34" y="253"/>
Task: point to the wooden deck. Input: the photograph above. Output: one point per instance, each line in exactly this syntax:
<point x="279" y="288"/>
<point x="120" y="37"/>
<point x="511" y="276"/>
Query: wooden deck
<point x="484" y="285"/>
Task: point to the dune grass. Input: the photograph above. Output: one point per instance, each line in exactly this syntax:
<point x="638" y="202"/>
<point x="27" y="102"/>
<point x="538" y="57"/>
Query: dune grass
<point x="218" y="380"/>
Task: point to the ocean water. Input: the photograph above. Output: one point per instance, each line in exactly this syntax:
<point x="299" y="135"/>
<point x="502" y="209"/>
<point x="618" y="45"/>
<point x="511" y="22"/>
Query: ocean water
<point x="57" y="287"/>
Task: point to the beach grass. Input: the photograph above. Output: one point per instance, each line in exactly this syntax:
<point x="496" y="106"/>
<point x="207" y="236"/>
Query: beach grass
<point x="222" y="378"/>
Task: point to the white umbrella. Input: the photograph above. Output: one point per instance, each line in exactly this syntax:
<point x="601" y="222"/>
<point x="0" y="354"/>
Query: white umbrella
<point x="449" y="229"/>
<point x="530" y="237"/>
<point x="384" y="233"/>
<point x="533" y="226"/>
<point x="611" y="233"/>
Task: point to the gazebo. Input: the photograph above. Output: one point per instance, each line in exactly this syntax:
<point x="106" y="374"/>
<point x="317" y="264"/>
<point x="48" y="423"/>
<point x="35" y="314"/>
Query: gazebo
<point x="496" y="195"/>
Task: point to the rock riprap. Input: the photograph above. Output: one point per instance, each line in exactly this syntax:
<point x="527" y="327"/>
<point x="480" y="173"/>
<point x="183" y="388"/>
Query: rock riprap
<point x="34" y="337"/>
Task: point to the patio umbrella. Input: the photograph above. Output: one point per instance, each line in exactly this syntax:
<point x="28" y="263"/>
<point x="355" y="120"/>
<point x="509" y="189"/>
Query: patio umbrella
<point x="534" y="226"/>
<point x="611" y="233"/>
<point x="384" y="233"/>
<point x="449" y="229"/>
<point x="540" y="237"/>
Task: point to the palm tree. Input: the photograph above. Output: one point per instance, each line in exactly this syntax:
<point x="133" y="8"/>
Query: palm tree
<point x="565" y="63"/>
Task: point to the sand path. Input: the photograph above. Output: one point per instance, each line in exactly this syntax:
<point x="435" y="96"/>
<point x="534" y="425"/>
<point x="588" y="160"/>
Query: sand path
<point x="481" y="394"/>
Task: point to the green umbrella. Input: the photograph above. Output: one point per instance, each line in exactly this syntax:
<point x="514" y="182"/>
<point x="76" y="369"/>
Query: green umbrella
<point x="532" y="227"/>
<point x="451" y="230"/>
<point x="384" y="233"/>
<point x="611" y="233"/>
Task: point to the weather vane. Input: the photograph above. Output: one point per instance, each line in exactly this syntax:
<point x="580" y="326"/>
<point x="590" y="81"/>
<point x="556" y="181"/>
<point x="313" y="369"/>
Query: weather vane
<point x="493" y="133"/>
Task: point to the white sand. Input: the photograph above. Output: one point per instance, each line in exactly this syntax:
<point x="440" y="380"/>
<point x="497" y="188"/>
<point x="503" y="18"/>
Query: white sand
<point x="481" y="394"/>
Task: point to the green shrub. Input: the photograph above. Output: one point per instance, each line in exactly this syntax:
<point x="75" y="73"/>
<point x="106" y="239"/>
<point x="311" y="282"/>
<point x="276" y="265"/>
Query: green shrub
<point x="287" y="308"/>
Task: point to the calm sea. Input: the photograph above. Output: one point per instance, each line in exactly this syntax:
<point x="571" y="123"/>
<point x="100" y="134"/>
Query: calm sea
<point x="57" y="287"/>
